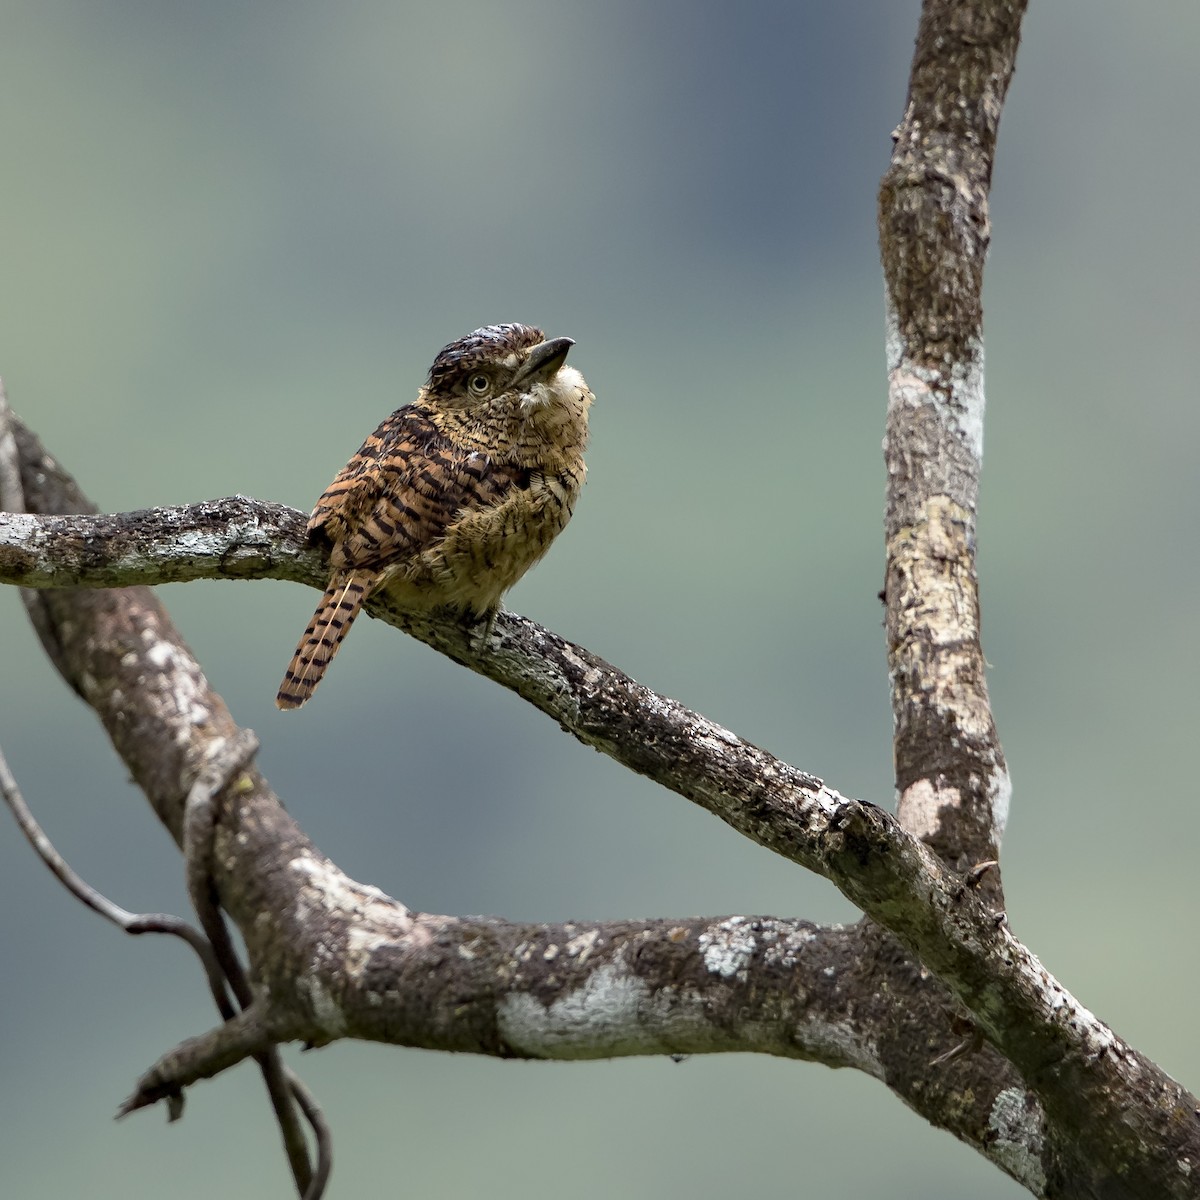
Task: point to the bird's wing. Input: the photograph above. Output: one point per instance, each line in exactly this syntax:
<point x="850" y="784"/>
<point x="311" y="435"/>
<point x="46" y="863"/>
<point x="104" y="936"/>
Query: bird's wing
<point x="403" y="489"/>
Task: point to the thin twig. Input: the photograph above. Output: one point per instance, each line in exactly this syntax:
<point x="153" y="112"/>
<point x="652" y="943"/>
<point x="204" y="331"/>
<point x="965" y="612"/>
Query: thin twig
<point x="226" y="761"/>
<point x="287" y="1093"/>
<point x="288" y="1115"/>
<point x="133" y="923"/>
<point x="322" y="1134"/>
<point x="219" y="774"/>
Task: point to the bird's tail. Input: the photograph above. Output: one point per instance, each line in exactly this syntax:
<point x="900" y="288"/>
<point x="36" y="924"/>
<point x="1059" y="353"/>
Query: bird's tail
<point x="330" y="623"/>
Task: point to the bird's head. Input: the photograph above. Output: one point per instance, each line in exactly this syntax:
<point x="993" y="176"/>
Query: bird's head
<point x="503" y="367"/>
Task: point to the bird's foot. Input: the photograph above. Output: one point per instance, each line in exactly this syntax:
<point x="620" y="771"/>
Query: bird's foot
<point x="488" y="622"/>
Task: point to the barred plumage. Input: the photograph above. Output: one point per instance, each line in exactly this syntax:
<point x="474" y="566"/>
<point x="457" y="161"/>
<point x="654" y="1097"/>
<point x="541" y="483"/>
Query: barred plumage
<point x="454" y="497"/>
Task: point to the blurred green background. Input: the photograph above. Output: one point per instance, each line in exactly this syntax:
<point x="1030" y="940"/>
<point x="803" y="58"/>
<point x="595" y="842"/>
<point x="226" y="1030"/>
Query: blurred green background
<point x="235" y="235"/>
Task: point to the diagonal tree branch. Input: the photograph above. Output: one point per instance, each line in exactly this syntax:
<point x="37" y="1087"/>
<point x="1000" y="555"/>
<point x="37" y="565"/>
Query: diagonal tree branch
<point x="848" y="997"/>
<point x="339" y="959"/>
<point x="379" y="981"/>
<point x="864" y="1003"/>
<point x="883" y="869"/>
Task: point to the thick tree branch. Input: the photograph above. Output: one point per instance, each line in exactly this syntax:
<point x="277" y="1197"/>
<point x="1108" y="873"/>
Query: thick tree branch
<point x="626" y="996"/>
<point x="233" y="538"/>
<point x="314" y="909"/>
<point x="861" y="848"/>
<point x="951" y="777"/>
<point x="867" y="1003"/>
<point x="120" y="652"/>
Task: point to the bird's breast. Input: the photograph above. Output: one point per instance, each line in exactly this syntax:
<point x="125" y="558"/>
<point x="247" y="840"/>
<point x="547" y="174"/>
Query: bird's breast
<point x="485" y="551"/>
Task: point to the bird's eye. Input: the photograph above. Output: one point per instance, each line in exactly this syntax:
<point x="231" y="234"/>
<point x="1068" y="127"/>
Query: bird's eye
<point x="479" y="384"/>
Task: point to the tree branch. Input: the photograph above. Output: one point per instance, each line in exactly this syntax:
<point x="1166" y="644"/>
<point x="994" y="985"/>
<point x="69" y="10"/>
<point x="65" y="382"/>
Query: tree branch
<point x="233" y="538"/>
<point x="386" y="981"/>
<point x="951" y="777"/>
<point x="864" y="1001"/>
<point x="880" y="867"/>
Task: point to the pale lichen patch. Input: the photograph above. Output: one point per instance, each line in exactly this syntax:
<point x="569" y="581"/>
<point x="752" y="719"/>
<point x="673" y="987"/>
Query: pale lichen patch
<point x="360" y="945"/>
<point x="198" y="543"/>
<point x="185" y="683"/>
<point x="590" y="673"/>
<point x="598" y="1018"/>
<point x="469" y="951"/>
<point x="783" y="947"/>
<point x="727" y="948"/>
<point x="582" y="945"/>
<point x="1017" y="1122"/>
<point x="956" y="394"/>
<point x="1000" y="796"/>
<point x="922" y="805"/>
<point x="325" y="1008"/>
<point x="160" y="654"/>
<point x="367" y="912"/>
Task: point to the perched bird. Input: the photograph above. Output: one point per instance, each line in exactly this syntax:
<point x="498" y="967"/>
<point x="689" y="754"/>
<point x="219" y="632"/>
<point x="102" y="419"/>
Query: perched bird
<point x="455" y="496"/>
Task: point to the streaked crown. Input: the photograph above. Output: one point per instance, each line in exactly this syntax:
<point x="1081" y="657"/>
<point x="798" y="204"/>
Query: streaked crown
<point x="480" y="347"/>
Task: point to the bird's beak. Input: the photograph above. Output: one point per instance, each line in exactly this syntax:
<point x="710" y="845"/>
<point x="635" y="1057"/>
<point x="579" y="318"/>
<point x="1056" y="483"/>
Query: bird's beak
<point x="544" y="359"/>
